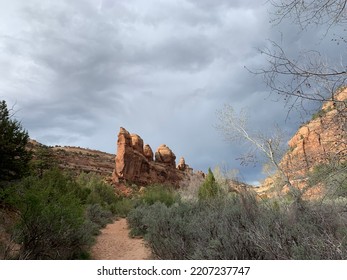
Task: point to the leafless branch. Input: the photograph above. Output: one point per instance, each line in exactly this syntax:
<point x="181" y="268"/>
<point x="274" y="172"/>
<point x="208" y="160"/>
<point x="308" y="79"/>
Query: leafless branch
<point x="308" y="77"/>
<point x="310" y="12"/>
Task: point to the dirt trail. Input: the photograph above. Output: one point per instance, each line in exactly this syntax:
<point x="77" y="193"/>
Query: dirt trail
<point x="114" y="243"/>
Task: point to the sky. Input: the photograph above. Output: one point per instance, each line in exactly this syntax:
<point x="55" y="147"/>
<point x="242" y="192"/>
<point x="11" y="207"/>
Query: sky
<point x="77" y="71"/>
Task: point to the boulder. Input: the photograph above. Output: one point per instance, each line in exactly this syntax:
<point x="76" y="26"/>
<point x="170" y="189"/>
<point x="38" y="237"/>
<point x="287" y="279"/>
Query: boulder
<point x="147" y="151"/>
<point x="137" y="143"/>
<point x="165" y="155"/>
<point x="181" y="164"/>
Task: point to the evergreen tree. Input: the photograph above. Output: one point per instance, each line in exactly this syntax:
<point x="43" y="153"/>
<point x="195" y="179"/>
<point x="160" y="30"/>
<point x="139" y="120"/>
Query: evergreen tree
<point x="14" y="157"/>
<point x="209" y="188"/>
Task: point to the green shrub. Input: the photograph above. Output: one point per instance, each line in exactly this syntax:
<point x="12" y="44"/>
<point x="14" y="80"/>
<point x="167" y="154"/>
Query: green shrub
<point x="98" y="192"/>
<point x="98" y="215"/>
<point x="52" y="221"/>
<point x="159" y="193"/>
<point x="239" y="227"/>
<point x="57" y="215"/>
<point x="93" y="191"/>
<point x="135" y="219"/>
<point x="122" y="207"/>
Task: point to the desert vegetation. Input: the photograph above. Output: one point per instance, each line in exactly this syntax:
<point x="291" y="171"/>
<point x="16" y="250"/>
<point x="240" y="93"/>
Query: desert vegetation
<point x="229" y="225"/>
<point x="56" y="216"/>
<point x="47" y="213"/>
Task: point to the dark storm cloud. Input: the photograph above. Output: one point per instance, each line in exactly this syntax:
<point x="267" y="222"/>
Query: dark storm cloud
<point x="78" y="70"/>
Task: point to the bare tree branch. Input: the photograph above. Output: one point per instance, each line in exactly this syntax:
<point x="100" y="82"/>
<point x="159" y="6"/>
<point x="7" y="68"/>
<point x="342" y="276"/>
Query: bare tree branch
<point x="269" y="147"/>
<point x="308" y="77"/>
<point x="310" y="12"/>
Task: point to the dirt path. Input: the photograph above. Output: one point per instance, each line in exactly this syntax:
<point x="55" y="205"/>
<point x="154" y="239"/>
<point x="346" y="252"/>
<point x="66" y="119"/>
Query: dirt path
<point x="114" y="243"/>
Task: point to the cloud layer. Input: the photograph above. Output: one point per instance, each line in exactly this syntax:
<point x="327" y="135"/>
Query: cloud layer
<point x="78" y="70"/>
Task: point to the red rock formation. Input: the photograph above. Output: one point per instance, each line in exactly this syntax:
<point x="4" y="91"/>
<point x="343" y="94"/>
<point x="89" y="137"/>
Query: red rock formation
<point x="182" y="164"/>
<point x="134" y="162"/>
<point x="147" y="151"/>
<point x="165" y="155"/>
<point x="137" y="143"/>
<point x="321" y="140"/>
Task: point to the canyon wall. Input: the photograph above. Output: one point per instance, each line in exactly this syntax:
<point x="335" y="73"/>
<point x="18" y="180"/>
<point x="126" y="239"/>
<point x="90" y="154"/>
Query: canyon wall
<point x="321" y="140"/>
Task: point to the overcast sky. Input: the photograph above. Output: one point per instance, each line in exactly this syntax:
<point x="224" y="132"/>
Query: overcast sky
<point x="77" y="71"/>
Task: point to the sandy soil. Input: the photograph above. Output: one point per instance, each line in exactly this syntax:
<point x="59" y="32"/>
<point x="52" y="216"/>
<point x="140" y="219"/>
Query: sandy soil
<point x="114" y="243"/>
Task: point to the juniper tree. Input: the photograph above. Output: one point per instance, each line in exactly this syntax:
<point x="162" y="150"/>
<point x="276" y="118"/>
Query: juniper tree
<point x="14" y="157"/>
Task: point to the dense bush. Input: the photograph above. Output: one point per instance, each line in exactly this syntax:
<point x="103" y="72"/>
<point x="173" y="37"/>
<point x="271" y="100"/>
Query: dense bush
<point x="159" y="193"/>
<point x="95" y="191"/>
<point x="98" y="215"/>
<point x="58" y="215"/>
<point x="123" y="206"/>
<point x="239" y="227"/>
<point x="52" y="223"/>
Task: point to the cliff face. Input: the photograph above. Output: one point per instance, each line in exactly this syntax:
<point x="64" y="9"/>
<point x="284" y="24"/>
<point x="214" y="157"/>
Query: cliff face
<point x="134" y="163"/>
<point x="321" y="140"/>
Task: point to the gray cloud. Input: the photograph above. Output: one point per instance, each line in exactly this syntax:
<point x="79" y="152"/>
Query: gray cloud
<point x="78" y="70"/>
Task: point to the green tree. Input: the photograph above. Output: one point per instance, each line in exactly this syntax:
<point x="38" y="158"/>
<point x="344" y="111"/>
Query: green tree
<point x="209" y="188"/>
<point x="43" y="159"/>
<point x="14" y="157"/>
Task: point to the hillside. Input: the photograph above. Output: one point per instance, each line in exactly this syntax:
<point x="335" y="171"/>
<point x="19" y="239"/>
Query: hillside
<point x="77" y="159"/>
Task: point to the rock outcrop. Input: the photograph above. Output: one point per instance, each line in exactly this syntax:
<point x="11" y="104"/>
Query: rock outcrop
<point x="134" y="163"/>
<point x="321" y="140"/>
<point x="147" y="151"/>
<point x="165" y="155"/>
<point x="182" y="164"/>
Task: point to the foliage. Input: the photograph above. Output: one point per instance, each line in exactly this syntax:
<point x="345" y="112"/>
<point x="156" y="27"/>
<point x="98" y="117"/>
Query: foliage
<point x="52" y="223"/>
<point x="159" y="193"/>
<point x="240" y="227"/>
<point x="13" y="141"/>
<point x="123" y="206"/>
<point x="42" y="160"/>
<point x="95" y="191"/>
<point x="209" y="189"/>
<point x="58" y="215"/>
<point x="98" y="215"/>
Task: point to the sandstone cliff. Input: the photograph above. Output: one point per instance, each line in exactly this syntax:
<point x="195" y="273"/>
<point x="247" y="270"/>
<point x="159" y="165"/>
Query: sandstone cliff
<point x="321" y="140"/>
<point x="134" y="163"/>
